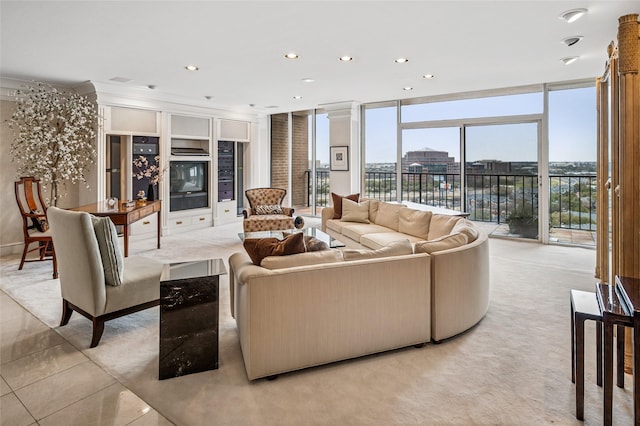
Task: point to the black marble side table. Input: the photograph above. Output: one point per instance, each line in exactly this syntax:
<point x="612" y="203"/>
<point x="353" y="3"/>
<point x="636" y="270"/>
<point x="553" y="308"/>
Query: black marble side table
<point x="189" y="317"/>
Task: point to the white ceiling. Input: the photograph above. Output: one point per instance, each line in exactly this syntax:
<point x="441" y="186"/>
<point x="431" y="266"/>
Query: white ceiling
<point x="240" y="46"/>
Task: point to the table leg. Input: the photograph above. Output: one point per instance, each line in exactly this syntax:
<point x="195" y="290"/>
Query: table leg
<point x="636" y="368"/>
<point x="126" y="239"/>
<point x="620" y="355"/>
<point x="608" y="372"/>
<point x="159" y="227"/>
<point x="573" y="344"/>
<point x="599" y="353"/>
<point x="580" y="369"/>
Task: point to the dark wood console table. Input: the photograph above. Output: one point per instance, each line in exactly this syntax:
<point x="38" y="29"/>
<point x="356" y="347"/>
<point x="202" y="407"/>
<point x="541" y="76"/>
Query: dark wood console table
<point x="125" y="216"/>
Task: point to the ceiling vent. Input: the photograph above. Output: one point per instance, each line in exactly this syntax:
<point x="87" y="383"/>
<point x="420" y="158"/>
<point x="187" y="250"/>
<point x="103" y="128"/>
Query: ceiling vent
<point x="570" y="41"/>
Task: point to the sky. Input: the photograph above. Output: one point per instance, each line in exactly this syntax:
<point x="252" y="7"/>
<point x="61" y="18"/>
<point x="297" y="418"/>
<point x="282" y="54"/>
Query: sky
<point x="572" y="128"/>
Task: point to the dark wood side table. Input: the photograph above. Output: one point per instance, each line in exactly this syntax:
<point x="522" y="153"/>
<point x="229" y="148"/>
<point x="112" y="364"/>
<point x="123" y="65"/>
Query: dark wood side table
<point x="189" y="317"/>
<point x="584" y="306"/>
<point x="613" y="313"/>
<point x="629" y="291"/>
<point x="125" y="216"/>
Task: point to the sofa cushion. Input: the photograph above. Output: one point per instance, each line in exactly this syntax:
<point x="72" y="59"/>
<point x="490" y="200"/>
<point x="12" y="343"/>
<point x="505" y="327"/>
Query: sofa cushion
<point x="302" y="259"/>
<point x="441" y="225"/>
<point x="112" y="258"/>
<point x="396" y="248"/>
<point x="373" y="208"/>
<point x="337" y="203"/>
<point x="388" y="215"/>
<point x="356" y="230"/>
<point x="414" y="222"/>
<point x="355" y="212"/>
<point x="259" y="248"/>
<point x="443" y="243"/>
<point x="267" y="222"/>
<point x="336" y="225"/>
<point x="466" y="227"/>
<point x="381" y="239"/>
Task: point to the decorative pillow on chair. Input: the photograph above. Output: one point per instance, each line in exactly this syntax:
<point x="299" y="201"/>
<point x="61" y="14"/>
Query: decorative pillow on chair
<point x="337" y="203"/>
<point x="272" y="209"/>
<point x="112" y="259"/>
<point x="259" y="248"/>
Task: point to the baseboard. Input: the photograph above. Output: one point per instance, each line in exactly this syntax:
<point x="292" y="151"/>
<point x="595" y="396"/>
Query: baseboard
<point x="10" y="249"/>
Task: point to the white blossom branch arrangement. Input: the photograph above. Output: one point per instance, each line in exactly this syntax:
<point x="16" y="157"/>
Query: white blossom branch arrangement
<point x="54" y="137"/>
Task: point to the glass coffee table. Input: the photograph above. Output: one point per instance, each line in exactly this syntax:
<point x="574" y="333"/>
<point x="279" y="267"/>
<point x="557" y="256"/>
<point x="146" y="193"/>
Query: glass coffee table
<point x="279" y="234"/>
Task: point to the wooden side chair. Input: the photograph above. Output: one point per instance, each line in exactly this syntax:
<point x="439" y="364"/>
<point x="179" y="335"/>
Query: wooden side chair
<point x="34" y="222"/>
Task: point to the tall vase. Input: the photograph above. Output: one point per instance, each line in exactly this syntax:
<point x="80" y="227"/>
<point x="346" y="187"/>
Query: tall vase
<point x="150" y="194"/>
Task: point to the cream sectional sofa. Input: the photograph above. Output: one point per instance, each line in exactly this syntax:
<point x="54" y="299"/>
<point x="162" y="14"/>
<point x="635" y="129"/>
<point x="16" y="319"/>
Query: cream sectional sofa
<point x="459" y="275"/>
<point x="313" y="308"/>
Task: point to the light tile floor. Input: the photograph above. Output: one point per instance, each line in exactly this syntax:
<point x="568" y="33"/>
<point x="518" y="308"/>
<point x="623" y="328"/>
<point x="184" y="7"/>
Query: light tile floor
<point x="44" y="380"/>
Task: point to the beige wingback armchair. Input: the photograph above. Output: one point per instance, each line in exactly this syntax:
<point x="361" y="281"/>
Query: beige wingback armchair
<point x="266" y="212"/>
<point x="82" y="278"/>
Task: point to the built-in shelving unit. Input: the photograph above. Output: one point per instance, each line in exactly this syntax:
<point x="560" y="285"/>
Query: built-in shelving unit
<point x="189" y="190"/>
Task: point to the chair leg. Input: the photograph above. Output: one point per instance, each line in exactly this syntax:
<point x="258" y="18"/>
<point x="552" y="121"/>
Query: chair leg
<point x="98" y="328"/>
<point x="55" y="262"/>
<point x="24" y="255"/>
<point x="66" y="313"/>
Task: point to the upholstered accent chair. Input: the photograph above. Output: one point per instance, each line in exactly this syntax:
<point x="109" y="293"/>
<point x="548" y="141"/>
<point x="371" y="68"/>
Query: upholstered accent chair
<point x="34" y="222"/>
<point x="266" y="212"/>
<point x="83" y="284"/>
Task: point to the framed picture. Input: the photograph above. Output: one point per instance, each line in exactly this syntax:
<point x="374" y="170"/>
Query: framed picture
<point x="339" y="158"/>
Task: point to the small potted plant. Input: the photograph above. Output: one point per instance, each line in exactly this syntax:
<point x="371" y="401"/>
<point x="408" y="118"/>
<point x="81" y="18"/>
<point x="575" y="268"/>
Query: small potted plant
<point x="524" y="222"/>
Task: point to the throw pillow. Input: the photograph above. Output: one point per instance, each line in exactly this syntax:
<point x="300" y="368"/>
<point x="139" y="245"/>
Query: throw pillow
<point x="443" y="243"/>
<point x="396" y="248"/>
<point x="354" y="212"/>
<point x="40" y="225"/>
<point x="311" y="243"/>
<point x="337" y="203"/>
<point x="272" y="209"/>
<point x="466" y="227"/>
<point x="259" y="248"/>
<point x="414" y="222"/>
<point x="112" y="259"/>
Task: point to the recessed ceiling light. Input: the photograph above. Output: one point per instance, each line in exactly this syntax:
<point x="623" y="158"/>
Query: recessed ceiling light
<point x="308" y="80"/>
<point x="208" y="97"/>
<point x="291" y="55"/>
<point x="401" y="60"/>
<point x="570" y="59"/>
<point x="570" y="41"/>
<point x="407" y="88"/>
<point x="297" y="97"/>
<point x="151" y="86"/>
<point x="346" y="58"/>
<point x="428" y="76"/>
<point x="120" y="79"/>
<point x="573" y="14"/>
<point x="191" y="68"/>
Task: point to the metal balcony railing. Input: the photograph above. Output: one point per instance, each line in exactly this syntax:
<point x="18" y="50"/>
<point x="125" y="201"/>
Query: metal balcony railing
<point x="489" y="197"/>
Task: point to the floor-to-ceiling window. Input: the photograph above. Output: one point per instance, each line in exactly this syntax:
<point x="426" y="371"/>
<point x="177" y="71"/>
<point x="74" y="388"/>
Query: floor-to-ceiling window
<point x="380" y="151"/>
<point x="572" y="164"/>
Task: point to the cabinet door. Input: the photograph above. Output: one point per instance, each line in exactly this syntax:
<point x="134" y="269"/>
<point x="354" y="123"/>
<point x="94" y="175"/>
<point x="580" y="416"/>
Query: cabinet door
<point x="239" y="131"/>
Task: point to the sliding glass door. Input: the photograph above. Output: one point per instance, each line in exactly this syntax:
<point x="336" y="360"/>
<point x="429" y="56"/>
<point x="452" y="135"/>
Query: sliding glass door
<point x="502" y="177"/>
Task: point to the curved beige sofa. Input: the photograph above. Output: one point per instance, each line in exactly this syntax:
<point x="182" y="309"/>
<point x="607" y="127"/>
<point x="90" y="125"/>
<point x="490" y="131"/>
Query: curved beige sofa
<point x="314" y="308"/>
<point x="460" y="282"/>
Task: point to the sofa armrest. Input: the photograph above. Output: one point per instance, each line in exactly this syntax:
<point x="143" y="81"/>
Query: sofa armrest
<point x="327" y="213"/>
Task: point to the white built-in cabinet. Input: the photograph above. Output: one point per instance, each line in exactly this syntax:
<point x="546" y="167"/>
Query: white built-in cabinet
<point x="185" y="138"/>
<point x="189" y="188"/>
